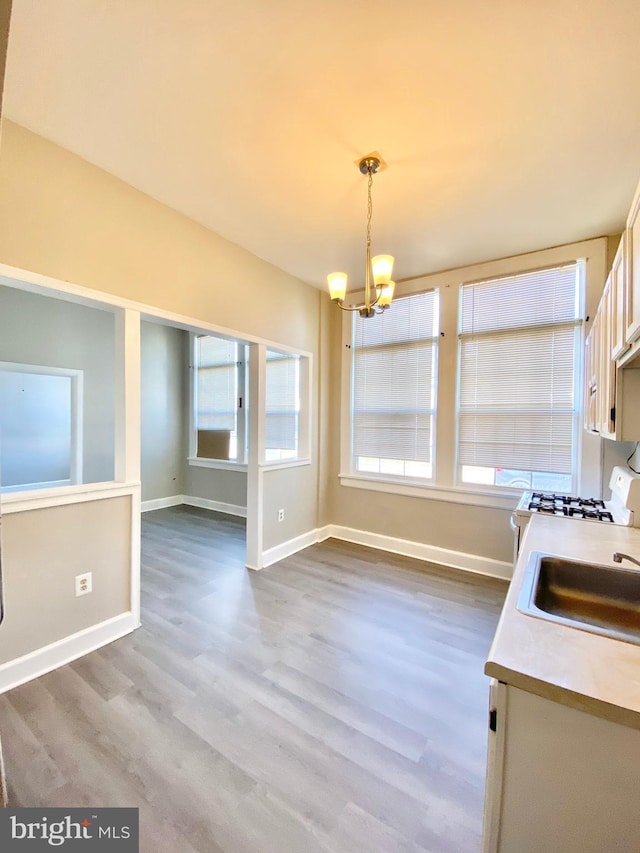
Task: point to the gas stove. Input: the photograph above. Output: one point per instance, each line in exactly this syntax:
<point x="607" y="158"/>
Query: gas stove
<point x="622" y="508"/>
<point x="592" y="509"/>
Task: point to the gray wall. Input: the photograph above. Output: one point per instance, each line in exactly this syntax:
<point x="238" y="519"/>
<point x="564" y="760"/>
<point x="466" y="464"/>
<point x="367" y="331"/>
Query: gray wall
<point x="164" y="412"/>
<point x="165" y="425"/>
<point x="229" y="487"/>
<point x="41" y="330"/>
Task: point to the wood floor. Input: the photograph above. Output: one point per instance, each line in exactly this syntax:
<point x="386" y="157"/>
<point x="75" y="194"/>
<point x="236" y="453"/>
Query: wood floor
<point x="333" y="702"/>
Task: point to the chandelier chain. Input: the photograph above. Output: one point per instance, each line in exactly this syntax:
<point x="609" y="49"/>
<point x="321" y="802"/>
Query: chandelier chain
<point x="369" y="207"/>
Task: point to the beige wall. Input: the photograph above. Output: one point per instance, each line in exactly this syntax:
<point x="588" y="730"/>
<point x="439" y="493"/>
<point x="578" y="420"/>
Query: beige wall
<point x="5" y="15"/>
<point x="284" y="489"/>
<point x="42" y="551"/>
<point x="478" y="530"/>
<point x="63" y="217"/>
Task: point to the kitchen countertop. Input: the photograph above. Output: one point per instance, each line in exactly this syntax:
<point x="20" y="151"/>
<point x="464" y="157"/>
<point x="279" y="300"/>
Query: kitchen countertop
<point x="586" y="671"/>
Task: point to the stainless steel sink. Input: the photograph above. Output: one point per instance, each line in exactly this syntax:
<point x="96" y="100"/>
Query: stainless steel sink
<point x="600" y="599"/>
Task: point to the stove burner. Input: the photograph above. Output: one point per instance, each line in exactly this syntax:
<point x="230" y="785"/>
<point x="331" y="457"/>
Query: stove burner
<point x="590" y="508"/>
<point x="592" y="502"/>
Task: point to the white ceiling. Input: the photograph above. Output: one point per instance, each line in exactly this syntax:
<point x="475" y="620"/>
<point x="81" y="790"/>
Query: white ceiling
<point x="508" y="125"/>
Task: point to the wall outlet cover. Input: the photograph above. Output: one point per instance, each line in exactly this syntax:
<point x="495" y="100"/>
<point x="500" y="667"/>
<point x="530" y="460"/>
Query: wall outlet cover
<point x="84" y="583"/>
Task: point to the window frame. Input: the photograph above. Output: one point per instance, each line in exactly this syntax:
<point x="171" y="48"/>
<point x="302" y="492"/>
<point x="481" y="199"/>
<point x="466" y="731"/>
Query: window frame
<point x="443" y="486"/>
<point x="242" y="416"/>
<point x="303" y="456"/>
<point x="434" y="339"/>
<point x="578" y="325"/>
<point x="76" y="444"/>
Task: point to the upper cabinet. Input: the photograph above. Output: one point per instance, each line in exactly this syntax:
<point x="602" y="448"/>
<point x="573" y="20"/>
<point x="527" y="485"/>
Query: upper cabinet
<point x="600" y="370"/>
<point x="612" y="352"/>
<point x="618" y="279"/>
<point x="632" y="251"/>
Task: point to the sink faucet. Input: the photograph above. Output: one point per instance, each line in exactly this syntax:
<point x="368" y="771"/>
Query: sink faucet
<point x="618" y="558"/>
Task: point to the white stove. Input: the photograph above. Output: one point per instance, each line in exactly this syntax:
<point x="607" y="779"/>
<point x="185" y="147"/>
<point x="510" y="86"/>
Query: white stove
<point x="622" y="508"/>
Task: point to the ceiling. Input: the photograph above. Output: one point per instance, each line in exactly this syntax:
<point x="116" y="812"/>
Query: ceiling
<point x="507" y="126"/>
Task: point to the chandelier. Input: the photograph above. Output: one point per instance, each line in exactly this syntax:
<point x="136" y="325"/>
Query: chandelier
<point x="377" y="297"/>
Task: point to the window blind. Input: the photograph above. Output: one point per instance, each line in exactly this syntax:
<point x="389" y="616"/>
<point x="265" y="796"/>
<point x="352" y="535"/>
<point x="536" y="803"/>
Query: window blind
<point x="217" y="398"/>
<point x="282" y="402"/>
<point x="517" y="362"/>
<point x="394" y="369"/>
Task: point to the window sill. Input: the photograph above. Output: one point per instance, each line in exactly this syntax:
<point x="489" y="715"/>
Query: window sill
<point x="495" y="500"/>
<point x="221" y="464"/>
<point x="44" y="498"/>
<point x="284" y="463"/>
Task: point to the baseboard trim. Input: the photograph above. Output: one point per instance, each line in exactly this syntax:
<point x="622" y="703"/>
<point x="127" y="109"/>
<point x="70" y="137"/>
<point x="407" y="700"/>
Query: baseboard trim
<point x="421" y="551"/>
<point x="290" y="547"/>
<point x="192" y="500"/>
<point x="216" y="506"/>
<point x="13" y="673"/>
<point x="161" y="503"/>
<point x="406" y="547"/>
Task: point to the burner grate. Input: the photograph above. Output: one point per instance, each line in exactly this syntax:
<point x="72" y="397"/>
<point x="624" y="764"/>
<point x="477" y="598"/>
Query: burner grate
<point x="550" y="503"/>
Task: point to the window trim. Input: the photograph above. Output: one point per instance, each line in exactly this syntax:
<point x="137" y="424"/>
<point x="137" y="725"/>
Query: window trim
<point x="434" y="340"/>
<point x="443" y="486"/>
<point x="77" y="421"/>
<point x="243" y="428"/>
<point x="578" y="326"/>
<point x="305" y="386"/>
<point x="348" y="386"/>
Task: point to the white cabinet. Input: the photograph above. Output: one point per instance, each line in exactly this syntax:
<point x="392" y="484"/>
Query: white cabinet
<point x="619" y="289"/>
<point x="600" y="370"/>
<point x="632" y="302"/>
<point x="559" y="779"/>
<point x="612" y="392"/>
<point x="590" y="381"/>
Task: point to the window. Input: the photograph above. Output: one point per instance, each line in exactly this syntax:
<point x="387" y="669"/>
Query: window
<point x="518" y="401"/>
<point x="219" y="399"/>
<point x="40" y="427"/>
<point x="394" y="368"/>
<point x="282" y="406"/>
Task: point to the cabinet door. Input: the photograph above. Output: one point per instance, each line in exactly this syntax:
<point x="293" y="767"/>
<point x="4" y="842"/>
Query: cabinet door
<point x="590" y="383"/>
<point x="495" y="766"/>
<point x="619" y="285"/>
<point x="570" y="781"/>
<point x="606" y="385"/>
<point x="633" y="284"/>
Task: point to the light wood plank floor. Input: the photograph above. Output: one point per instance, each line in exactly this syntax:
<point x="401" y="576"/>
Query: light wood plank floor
<point x="333" y="702"/>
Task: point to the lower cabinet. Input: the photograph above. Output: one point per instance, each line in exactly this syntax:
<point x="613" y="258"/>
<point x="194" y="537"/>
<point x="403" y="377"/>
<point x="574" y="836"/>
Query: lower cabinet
<point x="559" y="779"/>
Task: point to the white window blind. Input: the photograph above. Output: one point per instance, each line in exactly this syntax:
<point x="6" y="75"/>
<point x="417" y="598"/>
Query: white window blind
<point x="393" y="396"/>
<point x="217" y="398"/>
<point x="217" y="383"/>
<point x="282" y="405"/>
<point x="518" y="347"/>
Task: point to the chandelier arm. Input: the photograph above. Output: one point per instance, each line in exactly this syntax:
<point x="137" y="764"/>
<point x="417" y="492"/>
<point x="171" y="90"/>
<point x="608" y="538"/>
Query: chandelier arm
<point x="344" y="307"/>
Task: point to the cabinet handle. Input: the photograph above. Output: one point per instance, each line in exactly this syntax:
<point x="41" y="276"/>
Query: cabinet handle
<point x="493" y="718"/>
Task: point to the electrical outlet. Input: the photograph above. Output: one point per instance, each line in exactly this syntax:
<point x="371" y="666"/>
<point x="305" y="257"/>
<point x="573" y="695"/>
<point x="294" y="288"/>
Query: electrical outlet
<point x="280" y="515"/>
<point x="84" y="583"/>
